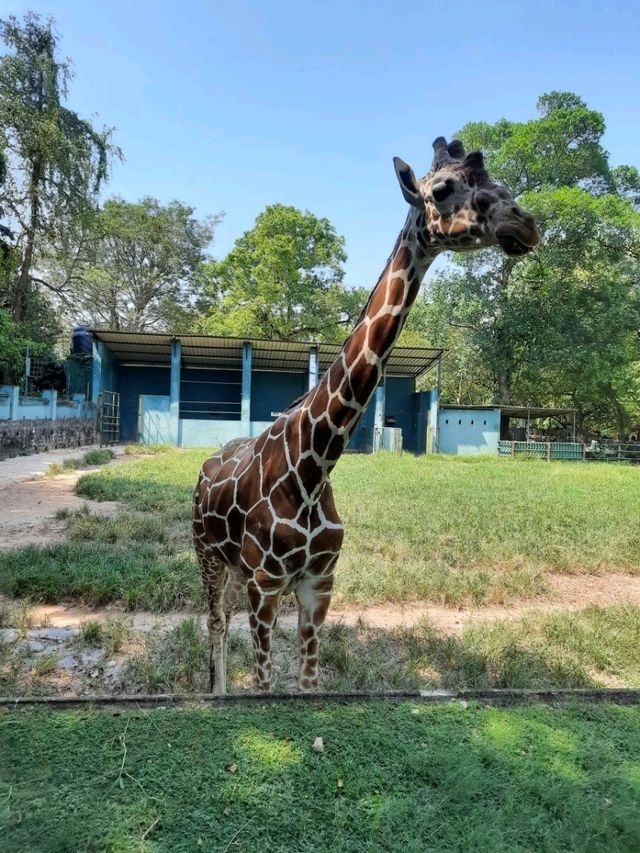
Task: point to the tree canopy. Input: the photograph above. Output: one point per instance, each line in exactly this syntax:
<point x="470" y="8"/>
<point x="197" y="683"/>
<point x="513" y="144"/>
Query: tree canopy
<point x="134" y="266"/>
<point x="282" y="279"/>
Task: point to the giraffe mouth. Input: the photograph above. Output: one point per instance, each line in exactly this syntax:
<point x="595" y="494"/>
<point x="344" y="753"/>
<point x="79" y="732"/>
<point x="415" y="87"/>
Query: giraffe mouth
<point x="512" y="245"/>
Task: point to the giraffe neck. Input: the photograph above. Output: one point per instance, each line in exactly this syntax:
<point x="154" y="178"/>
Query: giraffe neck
<point x="320" y="425"/>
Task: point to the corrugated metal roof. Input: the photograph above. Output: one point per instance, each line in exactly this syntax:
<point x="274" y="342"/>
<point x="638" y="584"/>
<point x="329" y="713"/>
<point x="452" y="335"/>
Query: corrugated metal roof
<point x="210" y="351"/>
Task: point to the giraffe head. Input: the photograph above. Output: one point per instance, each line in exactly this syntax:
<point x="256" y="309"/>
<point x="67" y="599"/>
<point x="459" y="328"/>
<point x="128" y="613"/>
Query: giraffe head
<point x="457" y="206"/>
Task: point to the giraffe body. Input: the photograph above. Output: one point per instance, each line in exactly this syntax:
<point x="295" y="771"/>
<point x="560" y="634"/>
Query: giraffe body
<point x="263" y="510"/>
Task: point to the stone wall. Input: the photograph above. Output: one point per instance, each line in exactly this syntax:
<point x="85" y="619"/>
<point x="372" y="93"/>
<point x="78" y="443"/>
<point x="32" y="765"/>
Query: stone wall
<point x="19" y="438"/>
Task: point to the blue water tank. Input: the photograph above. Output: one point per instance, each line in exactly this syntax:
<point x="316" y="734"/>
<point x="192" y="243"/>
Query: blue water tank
<point x="81" y="340"/>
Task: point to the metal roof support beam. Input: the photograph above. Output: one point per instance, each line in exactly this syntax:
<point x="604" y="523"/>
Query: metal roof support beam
<point x="313" y="367"/>
<point x="245" y="411"/>
<point x="174" y="393"/>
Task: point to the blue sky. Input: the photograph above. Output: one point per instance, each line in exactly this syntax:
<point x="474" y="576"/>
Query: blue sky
<point x="232" y="106"/>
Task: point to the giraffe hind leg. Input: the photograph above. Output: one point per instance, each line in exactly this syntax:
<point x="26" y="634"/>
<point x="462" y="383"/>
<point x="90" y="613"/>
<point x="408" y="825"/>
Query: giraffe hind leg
<point x="213" y="579"/>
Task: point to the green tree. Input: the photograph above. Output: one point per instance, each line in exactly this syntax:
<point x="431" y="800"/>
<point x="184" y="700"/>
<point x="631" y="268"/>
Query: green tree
<point x="56" y="161"/>
<point x="559" y="326"/>
<point x="283" y="280"/>
<point x="134" y="265"/>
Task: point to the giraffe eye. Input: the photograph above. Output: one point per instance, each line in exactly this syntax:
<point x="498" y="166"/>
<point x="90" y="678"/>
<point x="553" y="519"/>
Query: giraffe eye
<point x="441" y="192"/>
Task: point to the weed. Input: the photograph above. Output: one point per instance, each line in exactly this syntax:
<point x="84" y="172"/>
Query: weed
<point x="147" y="449"/>
<point x="91" y="632"/>
<point x="91" y="457"/>
<point x="6" y="616"/>
<point x="98" y="457"/>
<point x="44" y="665"/>
<point x="23" y="617"/>
<point x="116" y="632"/>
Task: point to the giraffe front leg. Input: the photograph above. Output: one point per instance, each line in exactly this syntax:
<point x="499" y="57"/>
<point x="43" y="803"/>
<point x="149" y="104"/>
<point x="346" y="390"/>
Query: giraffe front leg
<point x="314" y="596"/>
<point x="263" y="610"/>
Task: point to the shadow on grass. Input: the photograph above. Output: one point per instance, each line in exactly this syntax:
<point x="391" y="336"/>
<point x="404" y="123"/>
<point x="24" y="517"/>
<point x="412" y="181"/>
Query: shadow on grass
<point x="563" y="650"/>
<point x="391" y="777"/>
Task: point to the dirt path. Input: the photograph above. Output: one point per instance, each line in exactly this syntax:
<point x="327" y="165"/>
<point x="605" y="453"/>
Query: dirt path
<point x="571" y="593"/>
<point x="29" y="500"/>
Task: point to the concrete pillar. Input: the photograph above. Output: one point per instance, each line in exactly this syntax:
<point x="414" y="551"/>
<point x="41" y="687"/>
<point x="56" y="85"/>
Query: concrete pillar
<point x="245" y="410"/>
<point x="378" y="417"/>
<point x="96" y="371"/>
<point x="314" y="367"/>
<point x="14" y="402"/>
<point x="52" y="397"/>
<point x="174" y="393"/>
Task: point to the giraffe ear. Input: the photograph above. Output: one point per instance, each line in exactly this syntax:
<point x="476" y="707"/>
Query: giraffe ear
<point x="408" y="183"/>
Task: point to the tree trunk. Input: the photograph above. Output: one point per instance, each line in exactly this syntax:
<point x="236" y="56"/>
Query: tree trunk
<point x="17" y="308"/>
<point x="504" y="391"/>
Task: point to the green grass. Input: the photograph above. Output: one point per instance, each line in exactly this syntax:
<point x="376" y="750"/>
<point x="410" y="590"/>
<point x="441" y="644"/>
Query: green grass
<point x="391" y="777"/>
<point x="96" y="574"/>
<point x="440" y="529"/>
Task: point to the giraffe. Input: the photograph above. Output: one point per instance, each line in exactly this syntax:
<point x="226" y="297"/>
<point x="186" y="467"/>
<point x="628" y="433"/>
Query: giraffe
<point x="263" y="512"/>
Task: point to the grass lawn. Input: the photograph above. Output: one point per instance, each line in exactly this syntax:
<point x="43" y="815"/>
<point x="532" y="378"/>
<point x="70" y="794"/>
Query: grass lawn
<point x="391" y="777"/>
<point x="433" y="528"/>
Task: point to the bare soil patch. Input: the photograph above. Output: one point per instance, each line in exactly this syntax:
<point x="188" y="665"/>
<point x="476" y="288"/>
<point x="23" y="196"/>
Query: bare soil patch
<point x="29" y="508"/>
<point x="29" y="501"/>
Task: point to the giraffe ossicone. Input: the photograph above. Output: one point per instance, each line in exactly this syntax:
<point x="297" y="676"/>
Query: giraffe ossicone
<point x="263" y="510"/>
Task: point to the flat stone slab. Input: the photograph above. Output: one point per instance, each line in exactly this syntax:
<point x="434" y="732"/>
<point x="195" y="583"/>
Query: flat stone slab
<point x="8" y="635"/>
<point x="92" y="658"/>
<point x="56" y="634"/>
<point x="68" y="662"/>
<point x="36" y="646"/>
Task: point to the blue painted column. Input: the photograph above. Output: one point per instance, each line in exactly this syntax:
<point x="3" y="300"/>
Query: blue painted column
<point x="313" y="367"/>
<point x="174" y="393"/>
<point x="96" y="371"/>
<point x="14" y="402"/>
<point x="434" y="412"/>
<point x="245" y="410"/>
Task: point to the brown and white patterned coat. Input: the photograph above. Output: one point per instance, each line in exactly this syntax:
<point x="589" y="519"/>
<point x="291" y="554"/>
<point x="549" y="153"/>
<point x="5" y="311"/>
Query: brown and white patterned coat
<point x="263" y="510"/>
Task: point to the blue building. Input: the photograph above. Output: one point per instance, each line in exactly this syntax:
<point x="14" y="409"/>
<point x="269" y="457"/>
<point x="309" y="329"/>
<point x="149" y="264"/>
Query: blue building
<point x="197" y="390"/>
<point x="474" y="430"/>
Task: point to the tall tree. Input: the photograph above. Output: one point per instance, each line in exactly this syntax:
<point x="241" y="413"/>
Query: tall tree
<point x="56" y="161"/>
<point x="134" y="265"/>
<point x="282" y="279"/>
<point x="529" y="326"/>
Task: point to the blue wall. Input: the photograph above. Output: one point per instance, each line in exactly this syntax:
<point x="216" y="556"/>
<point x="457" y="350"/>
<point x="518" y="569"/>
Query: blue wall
<point x="210" y="397"/>
<point x="131" y="382"/>
<point x="467" y="432"/>
<point x="274" y="392"/>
